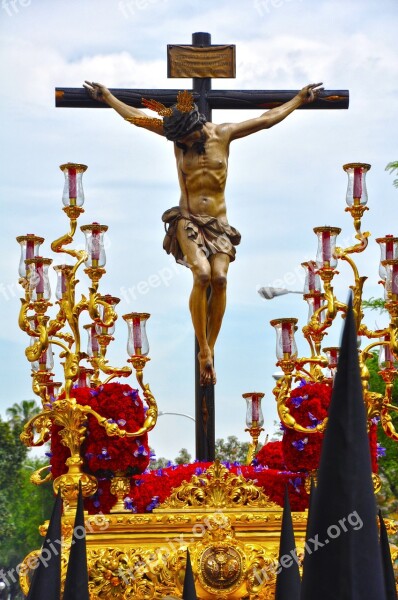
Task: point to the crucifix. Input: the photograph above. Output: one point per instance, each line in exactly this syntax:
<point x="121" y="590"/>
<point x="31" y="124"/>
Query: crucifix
<point x="198" y="233"/>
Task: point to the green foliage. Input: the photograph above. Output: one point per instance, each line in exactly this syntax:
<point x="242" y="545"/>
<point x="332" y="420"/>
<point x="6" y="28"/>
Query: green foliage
<point x="391" y="167"/>
<point x="231" y="449"/>
<point x="374" y="304"/>
<point x="183" y="458"/>
<point x="23" y="506"/>
<point x="388" y="497"/>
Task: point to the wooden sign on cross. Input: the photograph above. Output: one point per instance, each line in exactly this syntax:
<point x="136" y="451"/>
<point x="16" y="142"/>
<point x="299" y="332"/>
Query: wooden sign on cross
<point x="203" y="61"/>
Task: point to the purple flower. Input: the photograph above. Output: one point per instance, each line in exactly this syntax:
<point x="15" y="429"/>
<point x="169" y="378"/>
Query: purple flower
<point x="49" y="454"/>
<point x="302" y="382"/>
<point x="282" y="427"/>
<point x="375" y="420"/>
<point x="381" y="451"/>
<point x="198" y="471"/>
<point x="296" y="482"/>
<point x="129" y="504"/>
<point x="122" y="422"/>
<point x="300" y="444"/>
<point x="141" y="451"/>
<point x="153" y="504"/>
<point x="314" y="420"/>
<point x="93" y="393"/>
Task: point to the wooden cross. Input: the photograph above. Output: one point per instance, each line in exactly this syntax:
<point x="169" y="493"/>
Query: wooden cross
<point x="203" y="61"/>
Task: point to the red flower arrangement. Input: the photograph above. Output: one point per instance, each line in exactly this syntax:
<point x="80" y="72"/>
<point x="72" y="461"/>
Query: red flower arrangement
<point x="271" y="456"/>
<point x="103" y="455"/>
<point x="152" y="487"/>
<point x="308" y="404"/>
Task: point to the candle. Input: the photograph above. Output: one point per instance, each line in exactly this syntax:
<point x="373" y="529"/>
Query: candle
<point x="357" y="182"/>
<point x="389" y="248"/>
<point x="394" y="279"/>
<point x="40" y="278"/>
<point x="30" y="246"/>
<point x="326" y="251"/>
<point x="286" y="338"/>
<point x="72" y="184"/>
<point x="95" y="245"/>
<point x="255" y="403"/>
<point x="137" y="335"/>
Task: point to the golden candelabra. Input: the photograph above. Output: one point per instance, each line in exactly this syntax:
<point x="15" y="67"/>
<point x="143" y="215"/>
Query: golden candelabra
<point x="324" y="307"/>
<point x="59" y="407"/>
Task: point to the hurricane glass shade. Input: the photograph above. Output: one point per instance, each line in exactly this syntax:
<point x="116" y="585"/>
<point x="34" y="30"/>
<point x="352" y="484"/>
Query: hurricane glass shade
<point x="137" y="343"/>
<point x="386" y="359"/>
<point x="326" y="246"/>
<point x="102" y="329"/>
<point x="73" y="194"/>
<point x="94" y="234"/>
<point x="356" y="188"/>
<point x="254" y="413"/>
<point x="30" y="248"/>
<point x="391" y="282"/>
<point x="46" y="360"/>
<point x="37" y="275"/>
<point x="84" y="377"/>
<point x="315" y="301"/>
<point x="93" y="347"/>
<point x="388" y="251"/>
<point x="53" y="388"/>
<point x="285" y="343"/>
<point x="312" y="280"/>
<point x="62" y="272"/>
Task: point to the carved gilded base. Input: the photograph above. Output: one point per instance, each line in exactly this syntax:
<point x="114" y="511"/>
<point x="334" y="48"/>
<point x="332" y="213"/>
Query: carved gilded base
<point x="232" y="536"/>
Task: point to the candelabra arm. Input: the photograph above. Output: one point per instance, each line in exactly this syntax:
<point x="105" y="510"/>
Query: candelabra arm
<point x="101" y="363"/>
<point x="109" y="316"/>
<point x="34" y="351"/>
<point x="57" y="245"/>
<point x="255" y="434"/>
<point x="36" y="478"/>
<point x="42" y="424"/>
<point x="282" y="391"/>
<point x="386" y="420"/>
<point x="379" y="333"/>
<point x="23" y="321"/>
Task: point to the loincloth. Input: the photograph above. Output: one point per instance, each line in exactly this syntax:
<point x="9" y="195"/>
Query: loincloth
<point x="210" y="234"/>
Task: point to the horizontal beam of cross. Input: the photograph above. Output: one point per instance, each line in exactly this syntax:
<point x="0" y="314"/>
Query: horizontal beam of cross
<point x="217" y="99"/>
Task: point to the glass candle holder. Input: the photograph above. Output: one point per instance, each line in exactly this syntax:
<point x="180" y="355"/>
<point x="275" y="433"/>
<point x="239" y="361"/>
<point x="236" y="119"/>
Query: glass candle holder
<point x="326" y="246"/>
<point x="312" y="280"/>
<point x="386" y="358"/>
<point x="30" y="248"/>
<point x="73" y="194"/>
<point x="84" y="377"/>
<point x="356" y="189"/>
<point x="285" y="343"/>
<point x="93" y="347"/>
<point x="254" y="413"/>
<point x="388" y="251"/>
<point x="315" y="301"/>
<point x="37" y="275"/>
<point x="94" y="234"/>
<point x="391" y="282"/>
<point x="137" y="344"/>
<point x="332" y="355"/>
<point x="102" y="329"/>
<point x="46" y="360"/>
<point x="63" y="272"/>
<point x="53" y="388"/>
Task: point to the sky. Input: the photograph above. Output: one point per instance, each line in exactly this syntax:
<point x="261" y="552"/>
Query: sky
<point x="282" y="182"/>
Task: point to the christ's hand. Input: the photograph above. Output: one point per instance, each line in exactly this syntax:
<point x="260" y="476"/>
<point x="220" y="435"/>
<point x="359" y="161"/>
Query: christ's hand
<point x="97" y="91"/>
<point x="310" y="92"/>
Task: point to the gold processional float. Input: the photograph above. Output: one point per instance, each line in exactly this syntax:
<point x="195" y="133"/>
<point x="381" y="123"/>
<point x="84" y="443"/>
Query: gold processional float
<point x="227" y="522"/>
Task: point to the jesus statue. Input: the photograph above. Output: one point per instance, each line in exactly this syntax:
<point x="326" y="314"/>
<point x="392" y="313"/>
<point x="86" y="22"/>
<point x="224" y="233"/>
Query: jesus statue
<point x="197" y="231"/>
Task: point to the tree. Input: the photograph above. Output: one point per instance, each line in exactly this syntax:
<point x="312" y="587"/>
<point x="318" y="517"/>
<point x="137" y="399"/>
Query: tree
<point x="231" y="450"/>
<point x="391" y="167"/>
<point x="23" y="506"/>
